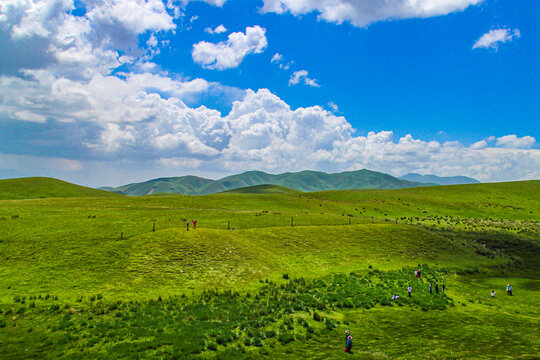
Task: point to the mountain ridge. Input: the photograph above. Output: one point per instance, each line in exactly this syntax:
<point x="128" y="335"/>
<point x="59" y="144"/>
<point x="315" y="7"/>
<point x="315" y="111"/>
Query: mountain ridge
<point x="439" y="180"/>
<point x="306" y="180"/>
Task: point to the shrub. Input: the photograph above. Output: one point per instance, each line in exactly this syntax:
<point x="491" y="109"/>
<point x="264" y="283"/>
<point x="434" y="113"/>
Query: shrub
<point x="211" y="346"/>
<point x="285" y="338"/>
<point x="286" y="276"/>
<point x="316" y="316"/>
<point x="270" y="333"/>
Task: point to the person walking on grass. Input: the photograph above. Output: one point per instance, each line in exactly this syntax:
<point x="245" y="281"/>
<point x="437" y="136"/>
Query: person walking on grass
<point x="436" y="288"/>
<point x="194" y="223"/>
<point x="430" y="289"/>
<point x="349" y="344"/>
<point x="443" y="288"/>
<point x="347" y="333"/>
<point x="509" y="289"/>
<point x="187" y="225"/>
<point x="492" y="293"/>
<point x="409" y="290"/>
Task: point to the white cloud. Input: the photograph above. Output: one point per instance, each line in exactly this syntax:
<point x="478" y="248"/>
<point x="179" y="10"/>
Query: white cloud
<point x="364" y="12"/>
<point x="492" y="38"/>
<point x="302" y="76"/>
<point x="333" y="106"/>
<point x="229" y="54"/>
<point x="512" y="141"/>
<point x="218" y="30"/>
<point x="482" y="144"/>
<point x="276" y="58"/>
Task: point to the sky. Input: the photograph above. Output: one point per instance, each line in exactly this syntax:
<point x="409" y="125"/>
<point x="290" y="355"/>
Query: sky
<point x="109" y="92"/>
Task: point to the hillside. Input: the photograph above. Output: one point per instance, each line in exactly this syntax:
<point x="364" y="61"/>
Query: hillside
<point x="272" y="275"/>
<point x="438" y="180"/>
<point x="302" y="181"/>
<point x="43" y="187"/>
<point x="263" y="189"/>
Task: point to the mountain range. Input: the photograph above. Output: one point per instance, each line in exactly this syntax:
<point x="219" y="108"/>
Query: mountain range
<point x="434" y="179"/>
<point x="302" y="181"/>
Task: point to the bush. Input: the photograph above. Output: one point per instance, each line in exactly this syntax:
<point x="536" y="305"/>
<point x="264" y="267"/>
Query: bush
<point x="270" y="333"/>
<point x="211" y="346"/>
<point x="316" y="316"/>
<point x="285" y="338"/>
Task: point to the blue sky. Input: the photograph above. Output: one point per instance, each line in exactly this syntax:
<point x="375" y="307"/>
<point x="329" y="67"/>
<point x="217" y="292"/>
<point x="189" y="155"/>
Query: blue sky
<point x="108" y="92"/>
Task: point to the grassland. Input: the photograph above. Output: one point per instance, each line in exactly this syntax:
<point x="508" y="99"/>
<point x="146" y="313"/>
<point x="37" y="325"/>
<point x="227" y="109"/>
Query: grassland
<point x="273" y="275"/>
<point x="43" y="187"/>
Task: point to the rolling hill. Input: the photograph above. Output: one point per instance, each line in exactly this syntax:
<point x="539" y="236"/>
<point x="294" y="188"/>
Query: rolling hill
<point x="438" y="180"/>
<point x="302" y="181"/>
<point x="44" y="187"/>
<point x="263" y="189"/>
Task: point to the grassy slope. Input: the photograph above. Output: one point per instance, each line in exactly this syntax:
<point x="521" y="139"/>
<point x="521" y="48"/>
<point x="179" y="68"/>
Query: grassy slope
<point x="263" y="189"/>
<point x="42" y="187"/>
<point x="72" y="248"/>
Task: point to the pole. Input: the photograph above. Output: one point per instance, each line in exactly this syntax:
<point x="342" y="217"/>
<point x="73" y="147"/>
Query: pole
<point x="292" y="221"/>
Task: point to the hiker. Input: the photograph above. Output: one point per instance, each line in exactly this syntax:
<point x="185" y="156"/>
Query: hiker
<point x="409" y="290"/>
<point x="443" y="288"/>
<point x="430" y="289"/>
<point x="194" y="223"/>
<point x="187" y="225"/>
<point x="416" y="274"/>
<point x="349" y="344"/>
<point x="492" y="293"/>
<point x="509" y="289"/>
<point x="347" y="334"/>
<point x="437" y="288"/>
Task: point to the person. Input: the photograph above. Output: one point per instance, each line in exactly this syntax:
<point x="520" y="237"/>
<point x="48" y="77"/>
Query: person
<point x="430" y="289"/>
<point x="509" y="289"/>
<point x="419" y="274"/>
<point x="492" y="293"/>
<point x="349" y="344"/>
<point x="416" y="274"/>
<point x="194" y="223"/>
<point x="443" y="288"/>
<point x="187" y="225"/>
<point x="409" y="290"/>
<point x="436" y="288"/>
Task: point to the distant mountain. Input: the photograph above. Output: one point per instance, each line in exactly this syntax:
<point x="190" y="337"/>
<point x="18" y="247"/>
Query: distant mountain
<point x="43" y="187"/>
<point x="302" y="181"/>
<point x="438" y="180"/>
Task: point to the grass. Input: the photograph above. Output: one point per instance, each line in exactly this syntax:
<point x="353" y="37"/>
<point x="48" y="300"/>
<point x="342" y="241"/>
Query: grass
<point x="94" y="278"/>
<point x="43" y="187"/>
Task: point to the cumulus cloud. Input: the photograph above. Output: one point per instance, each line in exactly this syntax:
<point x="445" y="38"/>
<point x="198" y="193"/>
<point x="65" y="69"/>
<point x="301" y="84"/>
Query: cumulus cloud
<point x="218" y="30"/>
<point x="512" y="141"/>
<point x="301" y="76"/>
<point x="230" y="54"/>
<point x="364" y="12"/>
<point x="492" y="38"/>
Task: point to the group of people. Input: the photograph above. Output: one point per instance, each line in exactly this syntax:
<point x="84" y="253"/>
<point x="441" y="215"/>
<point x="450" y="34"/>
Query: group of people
<point x="436" y="288"/>
<point x="508" y="291"/>
<point x="194" y="224"/>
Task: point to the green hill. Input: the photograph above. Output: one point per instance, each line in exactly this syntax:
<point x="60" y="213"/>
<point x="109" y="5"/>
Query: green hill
<point x="302" y="181"/>
<point x="43" y="187"/>
<point x="263" y="189"/>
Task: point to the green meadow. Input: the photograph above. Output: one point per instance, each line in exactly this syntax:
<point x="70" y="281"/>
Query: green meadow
<point x="86" y="274"/>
